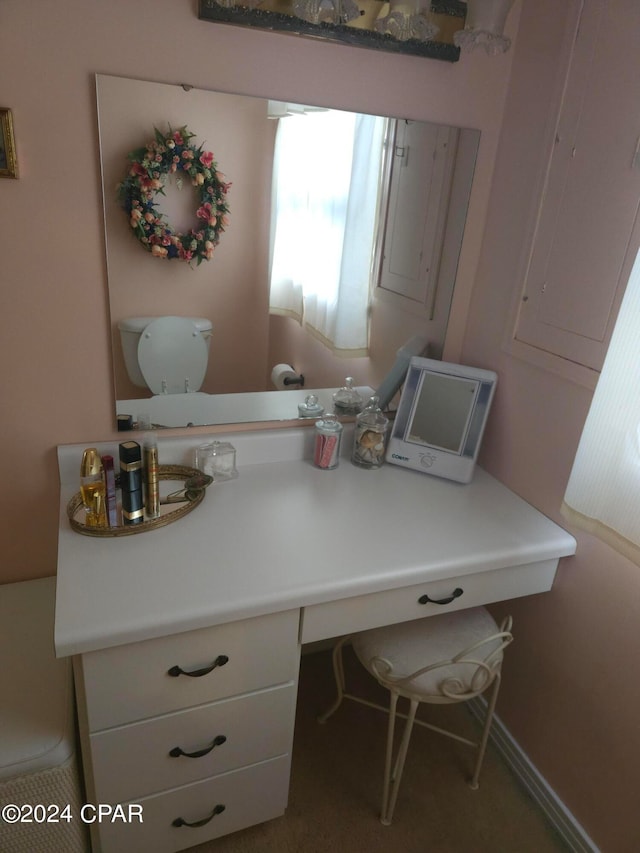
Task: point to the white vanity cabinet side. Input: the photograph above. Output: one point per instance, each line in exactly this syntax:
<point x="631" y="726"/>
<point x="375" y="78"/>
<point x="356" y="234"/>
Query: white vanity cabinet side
<point x="234" y="720"/>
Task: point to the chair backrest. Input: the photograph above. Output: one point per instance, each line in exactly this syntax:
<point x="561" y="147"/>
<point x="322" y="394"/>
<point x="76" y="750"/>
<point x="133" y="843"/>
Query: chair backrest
<point x="466" y="675"/>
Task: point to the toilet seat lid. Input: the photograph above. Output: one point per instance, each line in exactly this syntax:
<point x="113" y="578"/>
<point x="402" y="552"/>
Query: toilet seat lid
<point x="172" y="351"/>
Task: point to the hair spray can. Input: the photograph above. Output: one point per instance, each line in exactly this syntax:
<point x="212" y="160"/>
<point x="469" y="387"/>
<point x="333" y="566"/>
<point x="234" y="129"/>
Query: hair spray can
<point x="151" y="486"/>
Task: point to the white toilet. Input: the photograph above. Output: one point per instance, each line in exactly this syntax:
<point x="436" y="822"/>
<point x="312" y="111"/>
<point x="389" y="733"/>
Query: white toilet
<point x="168" y="355"/>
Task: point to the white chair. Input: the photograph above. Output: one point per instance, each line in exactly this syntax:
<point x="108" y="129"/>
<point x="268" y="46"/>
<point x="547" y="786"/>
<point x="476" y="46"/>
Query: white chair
<point x="449" y="658"/>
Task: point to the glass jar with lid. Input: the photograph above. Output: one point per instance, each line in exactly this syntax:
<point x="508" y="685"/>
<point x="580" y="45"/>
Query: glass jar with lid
<point x="347" y="400"/>
<point x="370" y="436"/>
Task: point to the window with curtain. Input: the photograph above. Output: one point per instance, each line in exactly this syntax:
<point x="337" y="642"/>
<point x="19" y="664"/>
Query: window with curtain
<point x="326" y="184"/>
<point x="603" y="494"/>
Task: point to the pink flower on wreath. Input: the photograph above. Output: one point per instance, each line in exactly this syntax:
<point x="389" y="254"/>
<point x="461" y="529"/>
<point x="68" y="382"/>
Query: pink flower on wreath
<point x="205" y="211"/>
<point x="177" y="138"/>
<point x="187" y="155"/>
<point x="206" y="158"/>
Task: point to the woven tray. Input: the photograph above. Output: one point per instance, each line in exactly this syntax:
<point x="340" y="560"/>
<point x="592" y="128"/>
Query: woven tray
<point x="169" y="512"/>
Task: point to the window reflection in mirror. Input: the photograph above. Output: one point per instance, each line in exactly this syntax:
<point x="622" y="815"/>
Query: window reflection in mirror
<point x="421" y="200"/>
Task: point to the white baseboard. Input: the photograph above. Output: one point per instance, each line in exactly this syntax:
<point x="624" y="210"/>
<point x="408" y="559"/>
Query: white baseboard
<point x="534" y="783"/>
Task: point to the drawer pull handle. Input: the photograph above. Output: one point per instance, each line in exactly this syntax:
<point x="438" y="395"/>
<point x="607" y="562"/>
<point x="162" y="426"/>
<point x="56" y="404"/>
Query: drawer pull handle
<point x="457" y="592"/>
<point x="180" y="821"/>
<point x="175" y="671"/>
<point x="176" y="752"/>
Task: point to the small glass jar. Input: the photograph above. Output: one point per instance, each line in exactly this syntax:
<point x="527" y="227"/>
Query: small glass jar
<point x="218" y="459"/>
<point x="370" y="436"/>
<point x="347" y="400"/>
<point x="311" y="408"/>
<point x="326" y="450"/>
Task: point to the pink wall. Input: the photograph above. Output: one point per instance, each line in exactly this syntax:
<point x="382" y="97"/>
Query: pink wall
<point x="570" y="693"/>
<point x="291" y="344"/>
<point x="55" y="346"/>
<point x="231" y="289"/>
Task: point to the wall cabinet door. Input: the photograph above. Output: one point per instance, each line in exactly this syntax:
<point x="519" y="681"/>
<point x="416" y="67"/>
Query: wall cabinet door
<point x="587" y="232"/>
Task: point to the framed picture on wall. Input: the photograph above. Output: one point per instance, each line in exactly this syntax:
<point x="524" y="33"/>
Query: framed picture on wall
<point x="8" y="162"/>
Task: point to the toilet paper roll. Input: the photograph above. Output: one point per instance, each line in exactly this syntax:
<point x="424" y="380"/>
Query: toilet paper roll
<point x="282" y="372"/>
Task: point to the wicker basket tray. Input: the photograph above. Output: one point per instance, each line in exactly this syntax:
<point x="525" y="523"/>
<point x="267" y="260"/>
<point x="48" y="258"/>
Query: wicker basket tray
<point x="169" y="512"/>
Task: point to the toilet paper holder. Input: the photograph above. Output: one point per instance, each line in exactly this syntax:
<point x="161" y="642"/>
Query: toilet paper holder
<point x="294" y="380"/>
<point x="284" y="376"/>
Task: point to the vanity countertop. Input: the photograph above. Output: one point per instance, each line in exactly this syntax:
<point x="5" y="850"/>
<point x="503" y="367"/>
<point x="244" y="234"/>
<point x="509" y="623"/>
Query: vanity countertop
<point x="283" y="535"/>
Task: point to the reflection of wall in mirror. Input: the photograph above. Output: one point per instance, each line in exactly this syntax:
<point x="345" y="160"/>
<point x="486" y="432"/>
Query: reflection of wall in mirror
<point x="231" y="289"/>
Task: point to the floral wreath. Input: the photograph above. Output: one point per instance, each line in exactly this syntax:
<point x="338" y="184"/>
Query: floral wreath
<point x="167" y="154"/>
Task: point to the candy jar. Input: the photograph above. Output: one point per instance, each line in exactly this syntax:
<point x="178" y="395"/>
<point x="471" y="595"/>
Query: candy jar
<point x="370" y="436"/>
<point x="326" y="451"/>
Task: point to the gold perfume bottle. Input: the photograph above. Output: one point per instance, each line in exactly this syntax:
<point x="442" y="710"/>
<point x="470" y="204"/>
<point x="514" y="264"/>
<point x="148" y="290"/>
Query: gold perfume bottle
<point x="92" y="489"/>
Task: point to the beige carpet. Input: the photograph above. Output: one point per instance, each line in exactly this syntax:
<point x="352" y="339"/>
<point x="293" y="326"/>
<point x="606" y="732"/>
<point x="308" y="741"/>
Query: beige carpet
<point x="337" y="777"/>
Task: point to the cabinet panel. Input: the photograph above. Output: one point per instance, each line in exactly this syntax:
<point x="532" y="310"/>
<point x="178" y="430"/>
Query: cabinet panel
<point x="585" y="238"/>
<point x="133" y="761"/>
<point x="422" y="159"/>
<point x="132" y="682"/>
<point x="335" y="618"/>
<point x="249" y="796"/>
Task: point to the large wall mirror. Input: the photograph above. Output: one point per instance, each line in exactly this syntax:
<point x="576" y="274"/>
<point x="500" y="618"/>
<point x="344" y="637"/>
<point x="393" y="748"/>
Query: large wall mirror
<point x="423" y="176"/>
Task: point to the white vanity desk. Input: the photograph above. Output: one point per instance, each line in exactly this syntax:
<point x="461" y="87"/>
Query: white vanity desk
<point x="286" y="554"/>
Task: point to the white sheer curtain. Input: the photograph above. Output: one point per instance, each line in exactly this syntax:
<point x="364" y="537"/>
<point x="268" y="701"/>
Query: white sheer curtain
<point x="325" y="194"/>
<point x="603" y="494"/>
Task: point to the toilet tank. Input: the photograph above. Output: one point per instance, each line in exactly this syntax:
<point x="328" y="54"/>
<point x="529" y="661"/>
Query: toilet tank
<point x="130" y="330"/>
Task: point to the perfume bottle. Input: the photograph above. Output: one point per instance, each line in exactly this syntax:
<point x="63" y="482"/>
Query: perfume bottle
<point x="92" y="488"/>
<point x="370" y="436"/>
<point x="110" y="490"/>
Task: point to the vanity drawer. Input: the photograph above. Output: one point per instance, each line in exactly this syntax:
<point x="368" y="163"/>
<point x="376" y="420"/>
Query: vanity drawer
<point x="249" y="796"/>
<point x="134" y="760"/>
<point x="336" y="618"/>
<point x="132" y="682"/>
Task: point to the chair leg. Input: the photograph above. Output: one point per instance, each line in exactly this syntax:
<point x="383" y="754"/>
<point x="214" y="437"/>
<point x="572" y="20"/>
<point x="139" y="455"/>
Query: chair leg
<point x="338" y="673"/>
<point x="389" y="797"/>
<point x="482" y="746"/>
